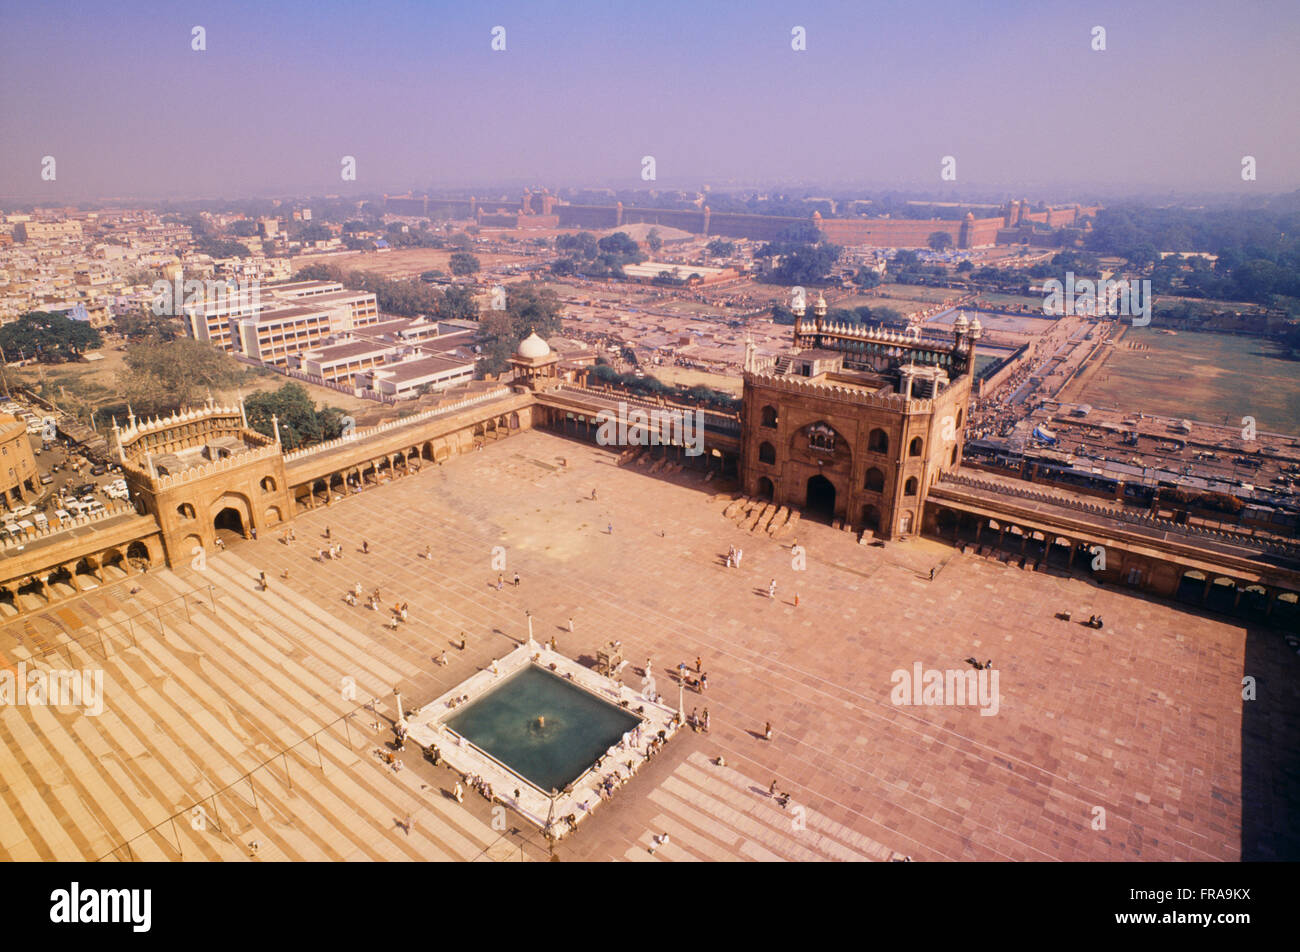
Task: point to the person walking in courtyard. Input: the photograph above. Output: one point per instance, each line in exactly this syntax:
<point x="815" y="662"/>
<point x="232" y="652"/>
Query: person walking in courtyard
<point x="461" y="646"/>
<point x="570" y="627"/>
<point x="327" y="532"/>
<point x="704" y="682"/>
<point x="706" y="720"/>
<point x="740" y="554"/>
<point x="553" y="642"/>
<point x="593" y="492"/>
<point x="516" y="580"/>
<point x="699" y="665"/>
<point x="262" y="576"/>
<point x="365" y="547"/>
<point x="458" y="792"/>
<point x="771" y="589"/>
<point x="771" y="791"/>
<point x="796" y="599"/>
<point x="767" y="731"/>
<point x="611" y="528"/>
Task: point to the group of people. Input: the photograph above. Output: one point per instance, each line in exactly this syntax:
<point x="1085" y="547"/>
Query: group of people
<point x="331" y="552"/>
<point x="457" y="701"/>
<point x="399" y="614"/>
<point x="697" y="722"/>
<point x="734" y="556"/>
<point x="475" y="783"/>
<point x="288" y="536"/>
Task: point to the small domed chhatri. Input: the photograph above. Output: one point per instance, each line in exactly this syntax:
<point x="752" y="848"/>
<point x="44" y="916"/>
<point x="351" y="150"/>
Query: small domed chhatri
<point x="534" y="364"/>
<point x="533" y="347"/>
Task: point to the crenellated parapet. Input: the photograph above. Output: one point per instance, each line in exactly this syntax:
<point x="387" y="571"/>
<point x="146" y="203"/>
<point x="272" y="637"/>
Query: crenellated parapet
<point x="841" y="394"/>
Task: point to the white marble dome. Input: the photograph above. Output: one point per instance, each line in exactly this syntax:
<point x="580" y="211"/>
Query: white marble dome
<point x="533" y="347"/>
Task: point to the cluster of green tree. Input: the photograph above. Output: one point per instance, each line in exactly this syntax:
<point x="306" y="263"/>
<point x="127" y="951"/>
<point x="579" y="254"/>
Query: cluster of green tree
<point x="529" y="308"/>
<point x="720" y="248"/>
<point x="586" y="256"/>
<point x="653" y="386"/>
<point x="1257" y="249"/>
<point x="165" y="375"/>
<point x="670" y="280"/>
<point x="804" y="256"/>
<point x="136" y="325"/>
<point x="462" y="263"/>
<point x="856" y="315"/>
<point x="1083" y="264"/>
<point x="50" y="338"/>
<point x="302" y="422"/>
<point x="221" y="248"/>
<point x="406" y="298"/>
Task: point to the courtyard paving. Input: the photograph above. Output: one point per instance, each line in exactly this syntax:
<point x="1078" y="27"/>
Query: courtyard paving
<point x="1123" y="744"/>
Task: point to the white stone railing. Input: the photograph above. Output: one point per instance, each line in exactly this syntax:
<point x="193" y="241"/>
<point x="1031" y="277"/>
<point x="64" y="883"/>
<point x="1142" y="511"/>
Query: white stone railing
<point x="131" y="432"/>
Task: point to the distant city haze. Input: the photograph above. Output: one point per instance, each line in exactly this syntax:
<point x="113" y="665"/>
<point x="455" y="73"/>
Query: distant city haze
<point x="714" y="92"/>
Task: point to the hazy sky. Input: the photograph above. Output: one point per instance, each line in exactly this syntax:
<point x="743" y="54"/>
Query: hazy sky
<point x="710" y="88"/>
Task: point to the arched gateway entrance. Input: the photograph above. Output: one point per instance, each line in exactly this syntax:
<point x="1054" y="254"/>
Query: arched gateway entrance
<point x="821" y="497"/>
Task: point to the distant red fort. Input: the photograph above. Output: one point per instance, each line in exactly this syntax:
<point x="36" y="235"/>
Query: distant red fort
<point x="542" y="210"/>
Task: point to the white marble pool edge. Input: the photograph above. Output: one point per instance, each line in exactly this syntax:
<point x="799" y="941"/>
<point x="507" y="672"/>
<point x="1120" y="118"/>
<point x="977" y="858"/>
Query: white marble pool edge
<point x="426" y="726"/>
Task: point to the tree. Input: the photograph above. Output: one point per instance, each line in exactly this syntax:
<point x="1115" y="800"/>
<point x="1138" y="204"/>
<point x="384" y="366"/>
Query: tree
<point x="965" y="266"/>
<point x="866" y="278"/>
<point x="939" y="240"/>
<point x="462" y="264"/>
<point x="458" y="303"/>
<point x="720" y="248"/>
<point x="162" y="376"/>
<point x="301" y="422"/>
<point x="584" y="243"/>
<point x="619" y="244"/>
<point x="529" y="309"/>
<point x="243" y="228"/>
<point x="653" y="241"/>
<point x="47" y="337"/>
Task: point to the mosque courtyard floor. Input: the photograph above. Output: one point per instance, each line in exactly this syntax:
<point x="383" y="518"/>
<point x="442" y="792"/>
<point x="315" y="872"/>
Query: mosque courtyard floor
<point x="232" y="728"/>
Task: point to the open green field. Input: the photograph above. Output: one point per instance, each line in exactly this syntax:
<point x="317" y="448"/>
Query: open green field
<point x="996" y="299"/>
<point x="916" y="293"/>
<point x="1211" y="377"/>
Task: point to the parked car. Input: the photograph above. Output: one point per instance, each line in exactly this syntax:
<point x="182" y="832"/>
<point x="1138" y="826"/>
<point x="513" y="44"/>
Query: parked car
<point x="85" y="488"/>
<point x="42" y="522"/>
<point x="98" y="469"/>
<point x="62" y="515"/>
<point x="46" y="479"/>
<point x="24" y="511"/>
